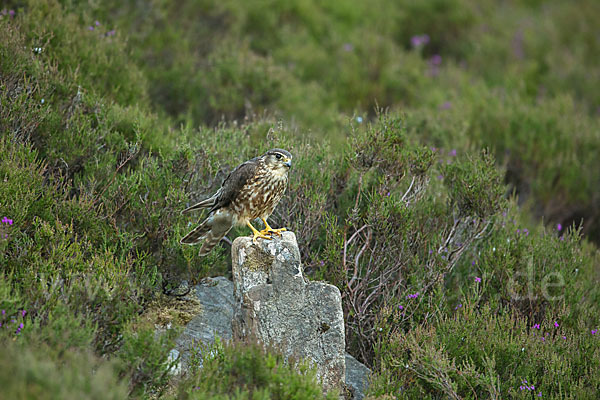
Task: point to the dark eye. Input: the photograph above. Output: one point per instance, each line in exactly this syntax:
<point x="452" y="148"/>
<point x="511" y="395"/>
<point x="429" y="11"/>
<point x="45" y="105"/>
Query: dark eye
<point x="278" y="156"/>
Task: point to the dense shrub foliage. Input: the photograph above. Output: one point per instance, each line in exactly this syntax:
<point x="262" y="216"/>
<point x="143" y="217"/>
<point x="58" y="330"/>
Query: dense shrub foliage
<point x="445" y="156"/>
<point x="247" y="371"/>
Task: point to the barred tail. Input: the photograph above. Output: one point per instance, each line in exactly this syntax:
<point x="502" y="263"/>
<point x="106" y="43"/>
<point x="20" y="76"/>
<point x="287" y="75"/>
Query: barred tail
<point x="210" y="231"/>
<point x="197" y="235"/>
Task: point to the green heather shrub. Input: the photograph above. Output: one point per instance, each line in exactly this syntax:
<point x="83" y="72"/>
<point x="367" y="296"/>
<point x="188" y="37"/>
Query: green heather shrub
<point x="80" y="53"/>
<point x="399" y="238"/>
<point x="146" y="360"/>
<point x="247" y="371"/>
<point x="50" y="264"/>
<point x="544" y="147"/>
<point x="483" y="353"/>
<point x="516" y="317"/>
<point x="447" y="25"/>
<point x="31" y="373"/>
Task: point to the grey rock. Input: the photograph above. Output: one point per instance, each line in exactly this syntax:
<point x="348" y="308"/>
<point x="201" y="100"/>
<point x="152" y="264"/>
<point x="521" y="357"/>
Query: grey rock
<point x="215" y="319"/>
<point x="357" y="377"/>
<point x="277" y="306"/>
<point x="216" y="298"/>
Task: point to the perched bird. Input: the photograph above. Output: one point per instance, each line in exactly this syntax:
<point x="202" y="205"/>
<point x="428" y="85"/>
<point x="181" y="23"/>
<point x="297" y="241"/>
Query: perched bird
<point x="252" y="190"/>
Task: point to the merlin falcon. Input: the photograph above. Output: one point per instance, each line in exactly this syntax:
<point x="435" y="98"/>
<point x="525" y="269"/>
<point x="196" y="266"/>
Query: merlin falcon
<point x="252" y="190"/>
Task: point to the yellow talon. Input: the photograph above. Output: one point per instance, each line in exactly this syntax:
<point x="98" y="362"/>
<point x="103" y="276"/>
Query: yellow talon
<point x="268" y="229"/>
<point x="257" y="234"/>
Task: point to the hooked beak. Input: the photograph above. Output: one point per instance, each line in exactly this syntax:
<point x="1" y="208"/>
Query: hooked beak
<point x="288" y="163"/>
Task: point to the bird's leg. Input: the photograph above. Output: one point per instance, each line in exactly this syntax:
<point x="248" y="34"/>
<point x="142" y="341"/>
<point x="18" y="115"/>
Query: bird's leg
<point x="268" y="229"/>
<point x="257" y="234"/>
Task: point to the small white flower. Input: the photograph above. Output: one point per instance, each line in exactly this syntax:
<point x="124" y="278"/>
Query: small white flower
<point x="359" y="120"/>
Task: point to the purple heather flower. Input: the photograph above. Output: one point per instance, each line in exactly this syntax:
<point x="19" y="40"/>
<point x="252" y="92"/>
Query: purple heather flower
<point x="97" y="23"/>
<point x="90" y="28"/>
<point x="447" y="105"/>
<point x="453" y="152"/>
<point x="436" y="59"/>
<point x="473" y="262"/>
<point x="559" y="227"/>
<point x="477" y="279"/>
<point x="419" y="40"/>
<point x="400" y="307"/>
<point x="440" y="177"/>
<point x="458" y="306"/>
<point x="111" y="33"/>
<point x="388" y="194"/>
<point x="3" y="312"/>
<point x="539" y="394"/>
<point x="536" y="326"/>
<point x="594" y="331"/>
<point x="322" y="263"/>
<point x="23" y="312"/>
<point x="11" y="13"/>
<point x="556" y="324"/>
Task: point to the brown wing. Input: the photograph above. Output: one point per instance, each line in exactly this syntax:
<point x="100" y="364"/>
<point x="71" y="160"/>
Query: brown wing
<point x="234" y="182"/>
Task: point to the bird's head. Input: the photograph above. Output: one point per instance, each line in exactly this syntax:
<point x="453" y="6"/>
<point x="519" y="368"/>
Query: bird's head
<point x="278" y="160"/>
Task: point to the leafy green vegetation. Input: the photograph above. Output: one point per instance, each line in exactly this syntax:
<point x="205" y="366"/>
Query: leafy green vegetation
<point x="445" y="179"/>
<point x="247" y="371"/>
